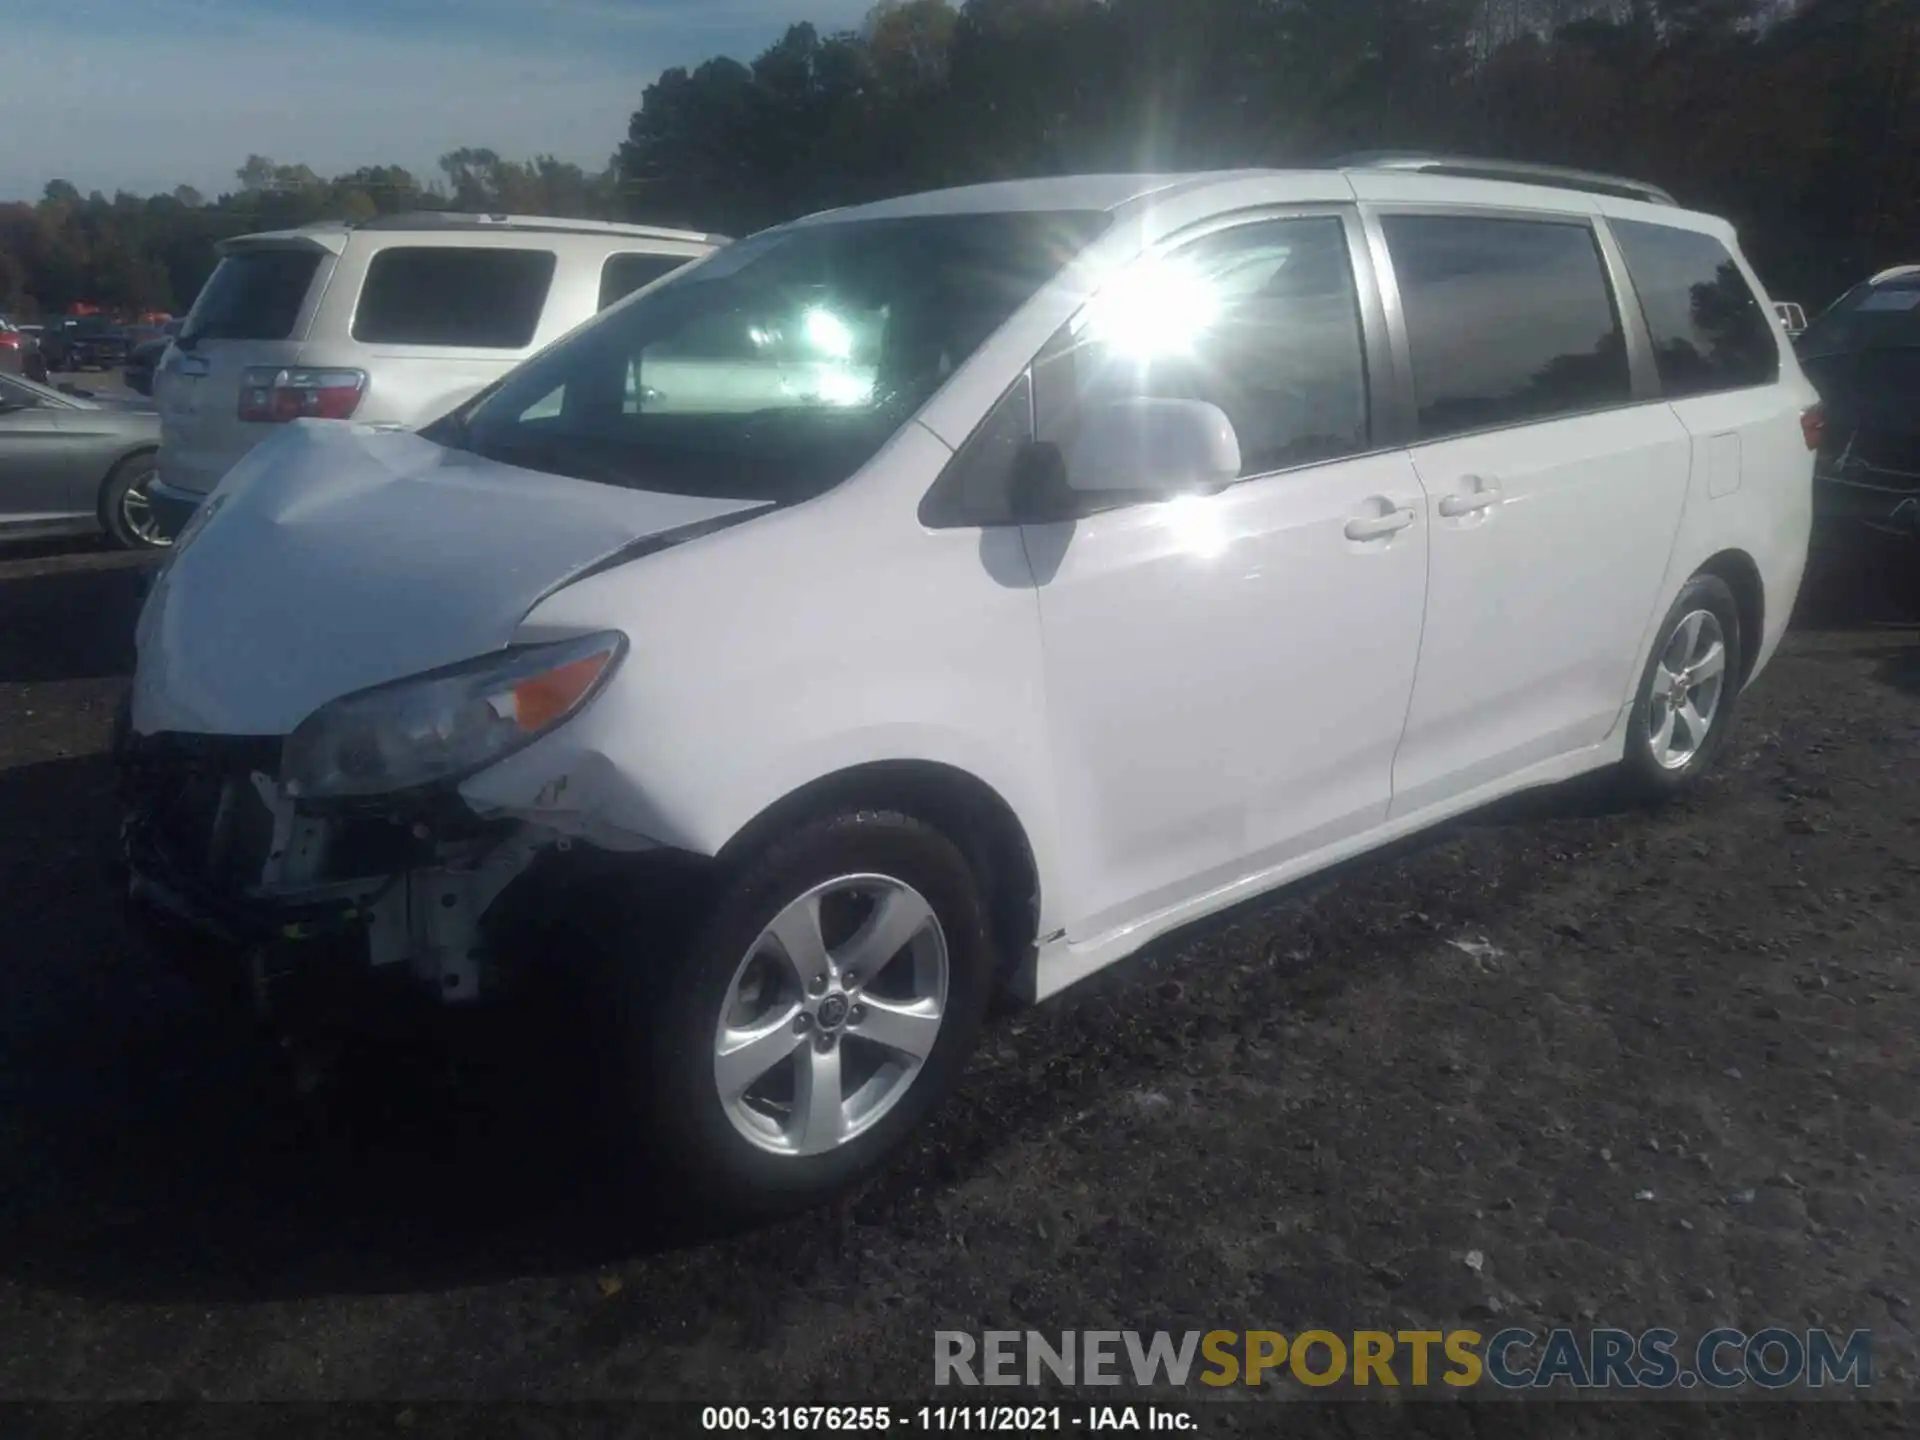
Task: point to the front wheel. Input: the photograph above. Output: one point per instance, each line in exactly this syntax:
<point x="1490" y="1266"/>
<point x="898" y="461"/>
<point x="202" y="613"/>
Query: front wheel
<point x="823" y="1010"/>
<point x="126" y="508"/>
<point x="1686" y="696"/>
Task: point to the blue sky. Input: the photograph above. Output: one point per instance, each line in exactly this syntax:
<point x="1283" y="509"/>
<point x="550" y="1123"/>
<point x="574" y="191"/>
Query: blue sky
<point x="144" y="95"/>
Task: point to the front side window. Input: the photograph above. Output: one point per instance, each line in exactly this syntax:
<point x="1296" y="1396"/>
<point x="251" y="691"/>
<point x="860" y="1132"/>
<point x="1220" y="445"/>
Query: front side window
<point x="463" y="297"/>
<point x="1262" y="320"/>
<point x="1710" y="333"/>
<point x="1509" y="321"/>
<point x="779" y="367"/>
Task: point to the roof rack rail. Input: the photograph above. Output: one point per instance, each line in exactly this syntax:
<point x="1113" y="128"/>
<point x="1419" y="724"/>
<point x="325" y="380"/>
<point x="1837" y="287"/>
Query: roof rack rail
<point x="1517" y="171"/>
<point x="468" y="220"/>
<point x="1898" y="272"/>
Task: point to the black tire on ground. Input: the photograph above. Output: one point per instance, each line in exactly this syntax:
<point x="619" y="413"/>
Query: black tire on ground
<point x="1640" y="777"/>
<point x="680" y="1148"/>
<point x="131" y="474"/>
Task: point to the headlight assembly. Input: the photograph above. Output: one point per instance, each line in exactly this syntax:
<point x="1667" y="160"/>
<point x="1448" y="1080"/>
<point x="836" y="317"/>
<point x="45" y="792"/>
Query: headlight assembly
<point x="446" y="724"/>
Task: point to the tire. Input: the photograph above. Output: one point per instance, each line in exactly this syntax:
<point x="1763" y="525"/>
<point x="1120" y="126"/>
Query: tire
<point x="1650" y="772"/>
<point x="128" y="520"/>
<point x="679" y="1130"/>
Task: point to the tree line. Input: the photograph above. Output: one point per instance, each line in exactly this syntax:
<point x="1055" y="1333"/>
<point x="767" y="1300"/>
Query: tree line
<point x="1797" y="119"/>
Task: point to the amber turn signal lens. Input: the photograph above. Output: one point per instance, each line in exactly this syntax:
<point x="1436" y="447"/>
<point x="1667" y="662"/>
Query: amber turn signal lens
<point x="545" y="699"/>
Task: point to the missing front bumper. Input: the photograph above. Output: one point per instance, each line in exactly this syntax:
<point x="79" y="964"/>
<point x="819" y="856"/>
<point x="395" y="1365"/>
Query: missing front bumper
<point x="220" y="862"/>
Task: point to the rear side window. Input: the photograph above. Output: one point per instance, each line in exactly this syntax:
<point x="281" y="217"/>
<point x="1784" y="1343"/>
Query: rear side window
<point x="1509" y="321"/>
<point x="624" y="274"/>
<point x="1710" y="332"/>
<point x="476" y="298"/>
<point x="254" y="295"/>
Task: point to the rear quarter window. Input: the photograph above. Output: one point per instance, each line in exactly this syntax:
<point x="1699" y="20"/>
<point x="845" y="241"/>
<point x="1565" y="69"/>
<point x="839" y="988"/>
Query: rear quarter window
<point x="454" y="296"/>
<point x="624" y="274"/>
<point x="255" y="295"/>
<point x="1710" y="332"/>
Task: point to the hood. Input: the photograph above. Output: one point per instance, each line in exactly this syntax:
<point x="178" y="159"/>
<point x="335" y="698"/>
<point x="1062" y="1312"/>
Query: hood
<point x="335" y="557"/>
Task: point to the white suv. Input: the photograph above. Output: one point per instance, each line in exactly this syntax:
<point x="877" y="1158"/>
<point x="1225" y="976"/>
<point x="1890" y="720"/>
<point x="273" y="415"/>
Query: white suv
<point x="392" y="321"/>
<point x="960" y="592"/>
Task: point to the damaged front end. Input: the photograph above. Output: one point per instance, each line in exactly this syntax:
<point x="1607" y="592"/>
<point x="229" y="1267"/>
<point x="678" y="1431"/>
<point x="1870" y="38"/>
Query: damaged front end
<point x="307" y="914"/>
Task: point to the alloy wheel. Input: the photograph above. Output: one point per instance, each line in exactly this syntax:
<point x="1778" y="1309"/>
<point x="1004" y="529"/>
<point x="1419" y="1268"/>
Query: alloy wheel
<point x="1689" y="681"/>
<point x="136" y="511"/>
<point x="831" y="1015"/>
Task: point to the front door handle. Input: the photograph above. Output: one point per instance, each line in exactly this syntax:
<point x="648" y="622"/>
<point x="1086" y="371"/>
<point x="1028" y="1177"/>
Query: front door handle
<point x="1378" y="527"/>
<point x="1454" y="507"/>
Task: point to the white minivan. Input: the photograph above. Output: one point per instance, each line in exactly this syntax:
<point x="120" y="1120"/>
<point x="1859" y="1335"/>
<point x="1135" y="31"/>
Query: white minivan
<point x="393" y="320"/>
<point x="957" y="593"/>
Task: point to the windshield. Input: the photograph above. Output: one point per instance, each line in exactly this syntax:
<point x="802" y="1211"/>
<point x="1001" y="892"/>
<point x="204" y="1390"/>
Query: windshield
<point x="780" y="366"/>
<point x="1870" y="317"/>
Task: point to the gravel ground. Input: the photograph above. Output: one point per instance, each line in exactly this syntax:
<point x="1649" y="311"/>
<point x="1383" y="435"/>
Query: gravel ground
<point x="1656" y="1069"/>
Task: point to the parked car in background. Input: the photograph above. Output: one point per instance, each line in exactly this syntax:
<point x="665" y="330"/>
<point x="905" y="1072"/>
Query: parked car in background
<point x="1863" y="353"/>
<point x="14" y="348"/>
<point x="960" y="592"/>
<point x="392" y="321"/>
<point x="73" y="464"/>
<point x="144" y="358"/>
<point x="33" y="361"/>
<point x="84" y="342"/>
<point x="1793" y="319"/>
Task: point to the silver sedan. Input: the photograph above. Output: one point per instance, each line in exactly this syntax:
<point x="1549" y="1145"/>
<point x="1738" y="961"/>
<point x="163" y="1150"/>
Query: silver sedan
<point x="73" y="465"/>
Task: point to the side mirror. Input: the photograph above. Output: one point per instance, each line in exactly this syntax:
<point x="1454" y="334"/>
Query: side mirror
<point x="1148" y="447"/>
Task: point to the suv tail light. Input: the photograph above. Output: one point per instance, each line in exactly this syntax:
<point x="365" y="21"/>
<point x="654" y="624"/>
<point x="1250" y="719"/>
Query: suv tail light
<point x="1813" y="425"/>
<point x="277" y="396"/>
<point x="9" y="340"/>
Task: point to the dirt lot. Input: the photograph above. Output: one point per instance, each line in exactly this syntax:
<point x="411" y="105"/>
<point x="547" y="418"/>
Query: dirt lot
<point x="1657" y="1070"/>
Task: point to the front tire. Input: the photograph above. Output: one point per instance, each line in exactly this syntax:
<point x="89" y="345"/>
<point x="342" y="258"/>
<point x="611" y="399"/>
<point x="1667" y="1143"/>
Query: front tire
<point x="824" y="1007"/>
<point x="1685" y="702"/>
<point x="126" y="510"/>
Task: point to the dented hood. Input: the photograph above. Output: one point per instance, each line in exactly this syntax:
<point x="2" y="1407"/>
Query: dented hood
<point x="337" y="558"/>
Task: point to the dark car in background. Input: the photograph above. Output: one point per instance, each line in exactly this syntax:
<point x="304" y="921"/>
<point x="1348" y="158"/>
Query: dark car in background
<point x="1863" y="354"/>
<point x="20" y="350"/>
<point x="84" y="342"/>
<point x="149" y="345"/>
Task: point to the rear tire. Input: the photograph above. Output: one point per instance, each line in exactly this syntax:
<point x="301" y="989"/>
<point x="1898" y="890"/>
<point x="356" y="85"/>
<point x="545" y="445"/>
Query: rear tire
<point x="125" y="511"/>
<point x="783" y="1141"/>
<point x="1684" y="704"/>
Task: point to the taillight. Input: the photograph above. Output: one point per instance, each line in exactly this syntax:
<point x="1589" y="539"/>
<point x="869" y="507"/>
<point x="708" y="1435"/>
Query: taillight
<point x="274" y="397"/>
<point x="9" y="340"/>
<point x="1813" y="425"/>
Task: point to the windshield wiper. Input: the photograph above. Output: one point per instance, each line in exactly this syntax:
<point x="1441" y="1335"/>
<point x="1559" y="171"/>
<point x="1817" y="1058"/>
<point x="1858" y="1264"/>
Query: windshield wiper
<point x="555" y="459"/>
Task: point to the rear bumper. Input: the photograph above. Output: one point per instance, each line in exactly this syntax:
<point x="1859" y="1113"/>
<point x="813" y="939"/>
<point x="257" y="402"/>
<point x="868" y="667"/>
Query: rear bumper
<point x="1877" y="505"/>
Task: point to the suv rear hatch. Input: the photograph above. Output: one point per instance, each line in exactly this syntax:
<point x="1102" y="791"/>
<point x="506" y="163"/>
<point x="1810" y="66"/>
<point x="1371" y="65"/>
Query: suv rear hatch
<point x="252" y="313"/>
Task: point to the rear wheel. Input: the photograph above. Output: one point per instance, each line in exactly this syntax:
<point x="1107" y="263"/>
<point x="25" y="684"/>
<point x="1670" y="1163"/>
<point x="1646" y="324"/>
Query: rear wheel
<point x="825" y="1007"/>
<point x="1686" y="697"/>
<point x="126" y="508"/>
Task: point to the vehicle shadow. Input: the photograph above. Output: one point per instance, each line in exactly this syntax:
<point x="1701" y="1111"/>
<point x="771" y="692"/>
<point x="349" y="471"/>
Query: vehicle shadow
<point x="70" y="609"/>
<point x="1859" y="581"/>
<point x="154" y="1153"/>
